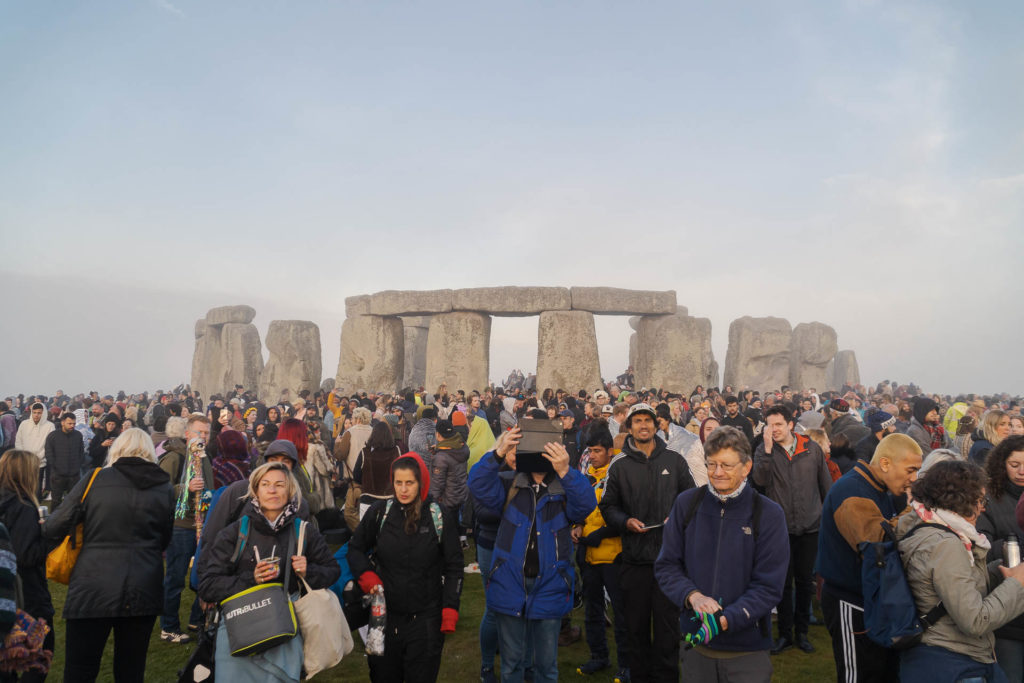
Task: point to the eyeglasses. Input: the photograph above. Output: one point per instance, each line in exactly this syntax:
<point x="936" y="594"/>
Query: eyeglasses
<point x="713" y="466"/>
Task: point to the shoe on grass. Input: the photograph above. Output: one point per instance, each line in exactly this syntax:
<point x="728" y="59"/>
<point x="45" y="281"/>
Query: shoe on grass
<point x="593" y="666"/>
<point x="175" y="637"/>
<point x="622" y="676"/>
<point x="487" y="675"/>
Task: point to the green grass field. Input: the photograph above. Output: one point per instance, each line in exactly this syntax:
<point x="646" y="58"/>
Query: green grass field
<point x="461" y="660"/>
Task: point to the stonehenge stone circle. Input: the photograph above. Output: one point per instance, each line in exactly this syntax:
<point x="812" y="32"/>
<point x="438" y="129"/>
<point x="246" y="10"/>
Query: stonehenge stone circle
<point x="372" y="354"/>
<point x="511" y="301"/>
<point x="294" y="362"/>
<point x="567" y="351"/>
<point x="458" y="351"/>
<point x="227" y="351"/>
<point x="811" y="348"/>
<point x="615" y="301"/>
<point x="758" y="354"/>
<point x="674" y="352"/>
<point x="416" y="332"/>
<point x="843" y="370"/>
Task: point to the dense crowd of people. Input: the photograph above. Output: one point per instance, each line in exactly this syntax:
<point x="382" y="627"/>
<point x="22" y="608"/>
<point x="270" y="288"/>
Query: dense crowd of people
<point x="694" y="518"/>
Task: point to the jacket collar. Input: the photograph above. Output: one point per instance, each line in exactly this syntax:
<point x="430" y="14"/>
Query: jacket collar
<point x="863" y="470"/>
<point x="523" y="480"/>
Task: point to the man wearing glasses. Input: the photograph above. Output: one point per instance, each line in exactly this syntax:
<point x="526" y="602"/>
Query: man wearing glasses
<point x="723" y="561"/>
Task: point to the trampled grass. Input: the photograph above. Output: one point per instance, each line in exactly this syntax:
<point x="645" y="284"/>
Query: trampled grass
<point x="461" y="660"/>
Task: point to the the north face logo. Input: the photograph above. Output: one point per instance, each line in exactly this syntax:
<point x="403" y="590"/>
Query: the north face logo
<point x="664" y="471"/>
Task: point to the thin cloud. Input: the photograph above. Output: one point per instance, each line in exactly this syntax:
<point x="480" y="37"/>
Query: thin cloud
<point x="167" y="6"/>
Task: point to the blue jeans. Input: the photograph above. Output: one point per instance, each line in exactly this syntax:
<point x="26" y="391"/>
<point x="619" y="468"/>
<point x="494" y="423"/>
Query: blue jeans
<point x="1010" y="656"/>
<point x="179" y="552"/>
<point x="928" y="663"/>
<point x="488" y="624"/>
<point x="515" y="634"/>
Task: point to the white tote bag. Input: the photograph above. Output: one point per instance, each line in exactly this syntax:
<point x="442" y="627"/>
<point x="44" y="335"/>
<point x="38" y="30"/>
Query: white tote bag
<point x="326" y="637"/>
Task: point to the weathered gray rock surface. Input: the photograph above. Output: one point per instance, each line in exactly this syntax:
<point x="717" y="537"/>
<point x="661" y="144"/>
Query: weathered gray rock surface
<point x="230" y="314"/>
<point x="416" y="332"/>
<point x="567" y="351"/>
<point x="227" y="351"/>
<point x="674" y="352"/>
<point x="372" y="354"/>
<point x="402" y="302"/>
<point x="458" y="351"/>
<point x="811" y="348"/>
<point x="758" y="354"/>
<point x="294" y="361"/>
<point x="357" y="305"/>
<point x="843" y="370"/>
<point x="615" y="301"/>
<point x="511" y="301"/>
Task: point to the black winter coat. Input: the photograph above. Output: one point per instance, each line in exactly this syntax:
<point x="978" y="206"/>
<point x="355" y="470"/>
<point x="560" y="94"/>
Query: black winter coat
<point x="998" y="521"/>
<point x="22" y="521"/>
<point x="220" y="578"/>
<point x="643" y="488"/>
<point x="65" y="452"/>
<point x="128" y="517"/>
<point x="410" y="567"/>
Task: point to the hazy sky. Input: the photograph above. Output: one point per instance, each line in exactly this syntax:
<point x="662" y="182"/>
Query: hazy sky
<point x="857" y="163"/>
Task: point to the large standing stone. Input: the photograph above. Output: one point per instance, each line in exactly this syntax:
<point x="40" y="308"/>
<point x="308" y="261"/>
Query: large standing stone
<point x="811" y="348"/>
<point x="567" y="352"/>
<point x="614" y="301"/>
<point x="458" y="351"/>
<point x="674" y="352"/>
<point x="511" y="301"/>
<point x="230" y="314"/>
<point x="843" y="370"/>
<point x="227" y="351"/>
<point x="372" y="354"/>
<point x="633" y="350"/>
<point x="417" y="330"/>
<point x="294" y="361"/>
<point x="395" y="302"/>
<point x="758" y="355"/>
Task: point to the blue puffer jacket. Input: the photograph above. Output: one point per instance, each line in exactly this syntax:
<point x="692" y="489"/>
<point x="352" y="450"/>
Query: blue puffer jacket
<point x="568" y="500"/>
<point x="718" y="555"/>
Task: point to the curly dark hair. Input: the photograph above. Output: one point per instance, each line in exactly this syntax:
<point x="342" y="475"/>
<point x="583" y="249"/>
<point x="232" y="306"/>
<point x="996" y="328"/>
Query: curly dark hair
<point x="995" y="464"/>
<point x="953" y="485"/>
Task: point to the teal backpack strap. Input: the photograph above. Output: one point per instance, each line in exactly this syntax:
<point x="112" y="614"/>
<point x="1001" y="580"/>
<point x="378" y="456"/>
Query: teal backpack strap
<point x="435" y="514"/>
<point x="243" y="535"/>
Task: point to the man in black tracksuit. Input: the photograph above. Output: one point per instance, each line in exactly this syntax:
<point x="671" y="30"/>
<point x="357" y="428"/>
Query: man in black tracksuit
<point x="65" y="452"/>
<point x="643" y="484"/>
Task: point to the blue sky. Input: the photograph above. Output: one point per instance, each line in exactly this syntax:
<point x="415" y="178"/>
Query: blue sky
<point x="857" y="163"/>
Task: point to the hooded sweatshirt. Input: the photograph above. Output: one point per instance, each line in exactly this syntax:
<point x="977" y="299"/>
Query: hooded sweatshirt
<point x="32" y="437"/>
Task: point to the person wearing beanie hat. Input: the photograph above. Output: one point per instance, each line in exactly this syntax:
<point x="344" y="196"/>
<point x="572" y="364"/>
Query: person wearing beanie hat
<point x="448" y="469"/>
<point x="925" y="427"/>
<point x="417" y="563"/>
<point x="844" y="422"/>
<point x="881" y="424"/>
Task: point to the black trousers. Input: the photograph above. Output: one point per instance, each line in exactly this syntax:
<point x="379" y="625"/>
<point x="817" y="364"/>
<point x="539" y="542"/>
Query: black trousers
<point x="412" y="650"/>
<point x="85" y="639"/>
<point x="653" y="659"/>
<point x="858" y="658"/>
<point x="803" y="550"/>
<point x="59" y="487"/>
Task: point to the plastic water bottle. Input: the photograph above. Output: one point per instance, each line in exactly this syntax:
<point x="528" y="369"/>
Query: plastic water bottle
<point x="1011" y="551"/>
<point x="378" y="622"/>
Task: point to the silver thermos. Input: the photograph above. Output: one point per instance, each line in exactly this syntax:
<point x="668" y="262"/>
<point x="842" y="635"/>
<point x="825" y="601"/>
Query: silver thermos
<point x="1011" y="551"/>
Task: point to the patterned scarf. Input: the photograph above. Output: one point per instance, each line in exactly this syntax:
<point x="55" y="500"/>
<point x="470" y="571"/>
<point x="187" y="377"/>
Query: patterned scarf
<point x="937" y="433"/>
<point x="727" y="496"/>
<point x="964" y="529"/>
<point x="282" y="519"/>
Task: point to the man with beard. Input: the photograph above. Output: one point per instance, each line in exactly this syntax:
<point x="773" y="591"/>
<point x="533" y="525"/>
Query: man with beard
<point x="732" y="418"/>
<point x="642" y="486"/>
<point x="65" y="451"/>
<point x="924" y="426"/>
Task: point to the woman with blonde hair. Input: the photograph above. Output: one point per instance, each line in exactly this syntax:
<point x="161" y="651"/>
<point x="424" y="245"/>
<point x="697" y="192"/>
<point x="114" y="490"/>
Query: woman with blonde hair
<point x="995" y="427"/>
<point x="270" y="514"/>
<point x="19" y="512"/>
<point x="117" y="583"/>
